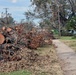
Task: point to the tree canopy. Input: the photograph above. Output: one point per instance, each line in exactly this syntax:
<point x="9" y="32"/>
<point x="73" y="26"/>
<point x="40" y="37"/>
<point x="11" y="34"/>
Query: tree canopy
<point x="52" y="11"/>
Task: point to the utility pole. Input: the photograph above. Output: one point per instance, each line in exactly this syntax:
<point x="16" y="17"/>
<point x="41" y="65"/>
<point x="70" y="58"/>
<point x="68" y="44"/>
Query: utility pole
<point x="6" y="12"/>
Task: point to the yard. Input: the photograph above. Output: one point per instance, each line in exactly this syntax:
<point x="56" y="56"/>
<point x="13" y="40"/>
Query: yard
<point x="69" y="41"/>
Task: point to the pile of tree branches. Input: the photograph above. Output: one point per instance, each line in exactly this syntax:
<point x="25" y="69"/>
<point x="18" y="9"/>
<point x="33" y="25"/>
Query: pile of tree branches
<point x="14" y="39"/>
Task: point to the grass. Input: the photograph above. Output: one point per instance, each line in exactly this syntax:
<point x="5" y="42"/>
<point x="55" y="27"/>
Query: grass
<point x="17" y="73"/>
<point x="45" y="50"/>
<point x="71" y="42"/>
<point x="67" y="38"/>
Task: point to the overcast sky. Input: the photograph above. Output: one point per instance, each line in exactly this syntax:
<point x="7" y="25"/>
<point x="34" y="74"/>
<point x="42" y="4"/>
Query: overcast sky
<point x="16" y="8"/>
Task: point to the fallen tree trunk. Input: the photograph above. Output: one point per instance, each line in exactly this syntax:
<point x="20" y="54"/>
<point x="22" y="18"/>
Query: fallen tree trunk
<point x="2" y="38"/>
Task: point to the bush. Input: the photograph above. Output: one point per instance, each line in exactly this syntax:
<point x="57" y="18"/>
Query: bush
<point x="71" y="24"/>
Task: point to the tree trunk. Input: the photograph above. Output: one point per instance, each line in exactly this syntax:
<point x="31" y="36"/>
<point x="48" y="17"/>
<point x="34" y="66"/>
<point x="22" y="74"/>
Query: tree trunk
<point x="2" y="39"/>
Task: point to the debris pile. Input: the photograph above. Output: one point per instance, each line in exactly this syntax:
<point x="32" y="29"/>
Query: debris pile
<point x="14" y="39"/>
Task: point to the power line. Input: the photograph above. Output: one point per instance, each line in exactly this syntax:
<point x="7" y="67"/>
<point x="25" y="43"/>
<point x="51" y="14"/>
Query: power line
<point x="6" y="11"/>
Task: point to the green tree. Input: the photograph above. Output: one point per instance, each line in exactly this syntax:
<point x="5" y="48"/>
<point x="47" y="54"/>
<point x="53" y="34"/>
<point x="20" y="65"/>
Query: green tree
<point x="71" y="24"/>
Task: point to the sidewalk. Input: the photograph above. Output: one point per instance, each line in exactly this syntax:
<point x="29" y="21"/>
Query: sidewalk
<point x="67" y="58"/>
